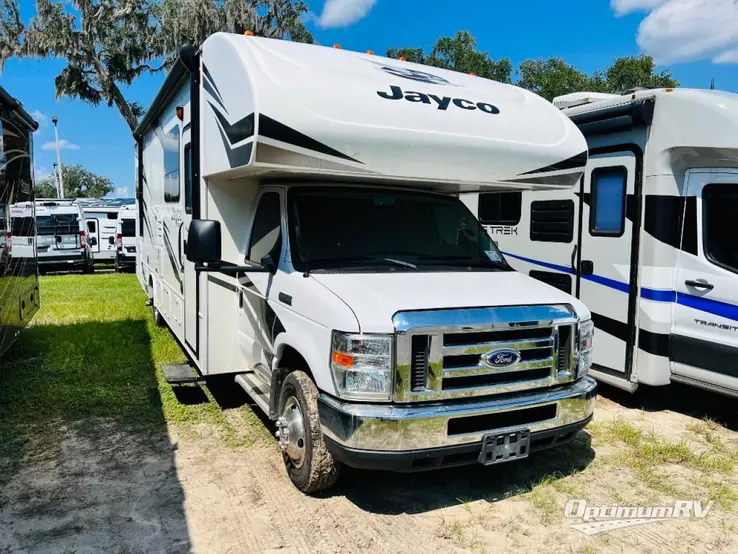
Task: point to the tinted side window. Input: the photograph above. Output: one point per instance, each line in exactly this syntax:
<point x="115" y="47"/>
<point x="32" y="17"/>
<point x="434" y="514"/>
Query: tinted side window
<point x="188" y="177"/>
<point x="266" y="233"/>
<point x="607" y="215"/>
<point x="170" y="143"/>
<point x="552" y="220"/>
<point x="720" y="206"/>
<point x="500" y="208"/>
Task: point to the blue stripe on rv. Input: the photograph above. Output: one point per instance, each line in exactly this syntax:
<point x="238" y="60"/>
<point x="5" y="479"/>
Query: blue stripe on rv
<point x="722" y="309"/>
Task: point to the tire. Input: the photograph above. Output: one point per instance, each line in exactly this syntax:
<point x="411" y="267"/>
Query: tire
<point x="158" y="319"/>
<point x="314" y="468"/>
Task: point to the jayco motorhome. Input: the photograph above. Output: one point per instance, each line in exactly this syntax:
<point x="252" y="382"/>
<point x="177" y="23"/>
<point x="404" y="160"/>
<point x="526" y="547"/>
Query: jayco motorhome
<point x="101" y="218"/>
<point x="299" y="228"/>
<point x="19" y="297"/>
<point x="646" y="239"/>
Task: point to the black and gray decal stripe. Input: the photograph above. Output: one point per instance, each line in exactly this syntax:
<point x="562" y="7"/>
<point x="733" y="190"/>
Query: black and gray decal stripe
<point x="567" y="179"/>
<point x="273" y="129"/>
<point x="212" y="88"/>
<point x="170" y="254"/>
<point x="648" y="341"/>
<point x="575" y="162"/>
<point x="238" y="131"/>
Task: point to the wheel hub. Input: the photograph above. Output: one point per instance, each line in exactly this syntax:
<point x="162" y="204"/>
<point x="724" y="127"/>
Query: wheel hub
<point x="291" y="432"/>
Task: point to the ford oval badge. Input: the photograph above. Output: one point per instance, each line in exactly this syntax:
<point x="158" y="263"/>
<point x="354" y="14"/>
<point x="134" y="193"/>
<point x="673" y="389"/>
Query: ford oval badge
<point x="502" y="358"/>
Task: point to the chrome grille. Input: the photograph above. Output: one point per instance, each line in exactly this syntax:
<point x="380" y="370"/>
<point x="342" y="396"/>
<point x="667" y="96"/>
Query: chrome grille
<point x="440" y="354"/>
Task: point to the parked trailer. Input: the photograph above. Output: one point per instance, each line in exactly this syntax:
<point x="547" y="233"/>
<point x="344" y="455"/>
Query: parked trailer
<point x="19" y="295"/>
<point x="300" y="229"/>
<point x="125" y="239"/>
<point x="646" y="239"/>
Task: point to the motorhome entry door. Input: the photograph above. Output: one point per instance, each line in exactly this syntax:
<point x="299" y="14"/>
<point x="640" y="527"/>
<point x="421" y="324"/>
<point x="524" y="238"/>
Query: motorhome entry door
<point x="606" y="258"/>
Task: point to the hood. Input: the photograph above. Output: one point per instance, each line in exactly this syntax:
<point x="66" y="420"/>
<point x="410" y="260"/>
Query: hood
<point x="376" y="297"/>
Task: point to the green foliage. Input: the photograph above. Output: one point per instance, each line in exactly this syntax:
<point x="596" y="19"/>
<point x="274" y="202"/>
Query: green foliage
<point x="458" y="53"/>
<point x="548" y="78"/>
<point x="106" y="44"/>
<point x="78" y="183"/>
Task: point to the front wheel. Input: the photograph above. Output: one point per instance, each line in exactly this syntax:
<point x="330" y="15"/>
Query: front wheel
<point x="309" y="464"/>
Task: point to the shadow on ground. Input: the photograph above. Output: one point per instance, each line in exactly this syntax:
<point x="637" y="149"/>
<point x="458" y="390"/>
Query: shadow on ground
<point x="85" y="459"/>
<point x="691" y="401"/>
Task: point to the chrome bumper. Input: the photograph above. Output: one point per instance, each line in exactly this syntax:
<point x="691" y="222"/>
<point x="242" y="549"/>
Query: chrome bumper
<point x="396" y="428"/>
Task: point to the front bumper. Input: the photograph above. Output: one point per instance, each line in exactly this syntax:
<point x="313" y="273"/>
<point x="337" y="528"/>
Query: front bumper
<point x="422" y="436"/>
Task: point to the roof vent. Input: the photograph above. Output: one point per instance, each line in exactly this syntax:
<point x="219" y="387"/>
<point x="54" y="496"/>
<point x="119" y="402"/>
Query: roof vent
<point x="581" y="98"/>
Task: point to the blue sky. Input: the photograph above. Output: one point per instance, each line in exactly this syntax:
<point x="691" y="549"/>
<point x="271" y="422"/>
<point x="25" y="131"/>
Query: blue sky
<point x="695" y="39"/>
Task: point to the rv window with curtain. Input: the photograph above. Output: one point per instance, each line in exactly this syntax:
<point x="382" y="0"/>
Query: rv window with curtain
<point x="607" y="212"/>
<point x="266" y="233"/>
<point x="552" y="221"/>
<point x="720" y="206"/>
<point x="499" y="208"/>
<point x="170" y="144"/>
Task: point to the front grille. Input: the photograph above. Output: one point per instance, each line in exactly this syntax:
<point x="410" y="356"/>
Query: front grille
<point x="450" y="360"/>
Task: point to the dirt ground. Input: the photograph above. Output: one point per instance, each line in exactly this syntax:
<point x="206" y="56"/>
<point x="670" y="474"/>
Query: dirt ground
<point x="187" y="488"/>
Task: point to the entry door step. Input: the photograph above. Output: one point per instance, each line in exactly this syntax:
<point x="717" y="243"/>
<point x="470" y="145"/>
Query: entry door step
<point x="180" y="374"/>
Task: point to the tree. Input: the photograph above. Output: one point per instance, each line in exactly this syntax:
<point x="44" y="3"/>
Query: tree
<point x="107" y="44"/>
<point x="553" y="77"/>
<point x="78" y="183"/>
<point x="458" y="53"/>
<point x="636" y="71"/>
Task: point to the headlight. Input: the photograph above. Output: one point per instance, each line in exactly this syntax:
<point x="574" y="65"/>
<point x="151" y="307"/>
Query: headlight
<point x="362" y="366"/>
<point x="586" y="334"/>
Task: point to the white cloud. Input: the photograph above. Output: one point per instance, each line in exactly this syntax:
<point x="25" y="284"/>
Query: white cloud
<point x="686" y="30"/>
<point x="342" y="13"/>
<point x="41" y="117"/>
<point x="624" y="7"/>
<point x="122" y="192"/>
<point x="64" y="144"/>
<point x="730" y="56"/>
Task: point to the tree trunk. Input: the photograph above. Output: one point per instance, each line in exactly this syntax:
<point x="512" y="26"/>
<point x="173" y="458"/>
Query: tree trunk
<point x="114" y="94"/>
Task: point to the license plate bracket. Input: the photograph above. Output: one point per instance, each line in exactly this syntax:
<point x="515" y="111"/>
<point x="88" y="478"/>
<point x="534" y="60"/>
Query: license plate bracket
<point x="505" y="447"/>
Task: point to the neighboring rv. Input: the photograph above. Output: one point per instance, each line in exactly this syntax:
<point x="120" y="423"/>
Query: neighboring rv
<point x="300" y="230"/>
<point x="646" y="240"/>
<point x="125" y="239"/>
<point x="23" y="231"/>
<point x="61" y="236"/>
<point x="19" y="296"/>
<point x="101" y="217"/>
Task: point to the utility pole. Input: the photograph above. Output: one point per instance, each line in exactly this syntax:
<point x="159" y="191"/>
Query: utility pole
<point x="55" y="120"/>
<point x="712" y="84"/>
<point x="56" y="178"/>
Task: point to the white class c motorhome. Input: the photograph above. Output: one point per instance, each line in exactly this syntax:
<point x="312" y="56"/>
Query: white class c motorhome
<point x="646" y="239"/>
<point x="299" y="228"/>
<point x="101" y="218"/>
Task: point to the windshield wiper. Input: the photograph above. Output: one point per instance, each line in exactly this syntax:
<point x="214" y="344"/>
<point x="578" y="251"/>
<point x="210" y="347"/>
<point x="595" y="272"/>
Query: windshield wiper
<point x="400" y="262"/>
<point x="365" y="257"/>
<point x="462" y="261"/>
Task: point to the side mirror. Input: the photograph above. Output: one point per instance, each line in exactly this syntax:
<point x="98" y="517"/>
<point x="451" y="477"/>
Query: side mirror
<point x="203" y="241"/>
<point x="268" y="263"/>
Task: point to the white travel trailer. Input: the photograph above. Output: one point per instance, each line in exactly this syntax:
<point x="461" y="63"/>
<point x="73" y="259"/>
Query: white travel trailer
<point x="646" y="239"/>
<point x="125" y="239"/>
<point x="299" y="227"/>
<point x="101" y="217"/>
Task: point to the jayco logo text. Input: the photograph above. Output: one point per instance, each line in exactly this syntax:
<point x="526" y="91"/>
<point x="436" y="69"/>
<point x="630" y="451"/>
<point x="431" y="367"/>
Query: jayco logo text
<point x="442" y="103"/>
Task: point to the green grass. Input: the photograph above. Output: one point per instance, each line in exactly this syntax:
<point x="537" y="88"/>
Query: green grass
<point x="91" y="352"/>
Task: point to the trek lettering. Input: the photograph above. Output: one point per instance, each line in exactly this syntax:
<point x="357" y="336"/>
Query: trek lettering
<point x="442" y="103"/>
<point x="502" y="230"/>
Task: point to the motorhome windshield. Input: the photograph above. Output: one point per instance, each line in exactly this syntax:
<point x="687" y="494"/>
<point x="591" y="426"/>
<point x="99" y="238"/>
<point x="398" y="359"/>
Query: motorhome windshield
<point x="334" y="227"/>
<point x="128" y="227"/>
<point x="57" y="224"/>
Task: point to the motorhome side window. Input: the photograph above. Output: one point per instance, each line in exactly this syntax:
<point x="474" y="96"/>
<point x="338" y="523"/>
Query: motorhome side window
<point x="607" y="215"/>
<point x="499" y="208"/>
<point x="552" y="221"/>
<point x="188" y="177"/>
<point x="170" y="143"/>
<point x="720" y="206"/>
<point x="266" y="233"/>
